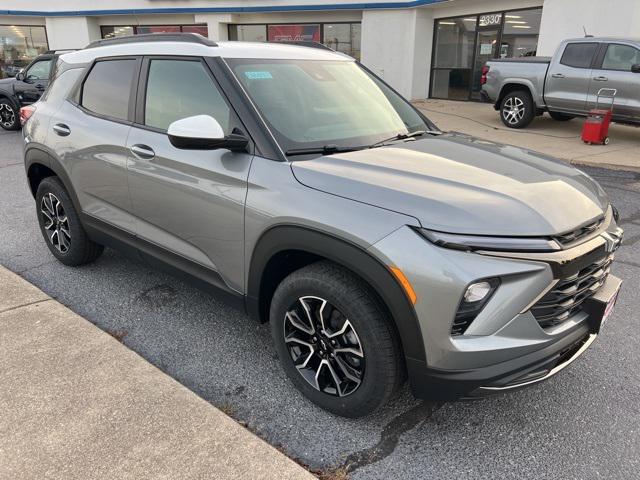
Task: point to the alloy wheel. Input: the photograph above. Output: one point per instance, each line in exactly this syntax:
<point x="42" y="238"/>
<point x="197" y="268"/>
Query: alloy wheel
<point x="513" y="110"/>
<point x="324" y="346"/>
<point x="56" y="223"/>
<point x="7" y="115"/>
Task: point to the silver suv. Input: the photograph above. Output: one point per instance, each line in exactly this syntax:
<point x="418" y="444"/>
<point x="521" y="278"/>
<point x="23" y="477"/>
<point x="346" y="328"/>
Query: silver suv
<point x="299" y="185"/>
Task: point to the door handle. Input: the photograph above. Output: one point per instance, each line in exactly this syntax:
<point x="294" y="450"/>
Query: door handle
<point x="39" y="86"/>
<point x="557" y="75"/>
<point x="61" y="129"/>
<point x="142" y="151"/>
<point x="600" y="79"/>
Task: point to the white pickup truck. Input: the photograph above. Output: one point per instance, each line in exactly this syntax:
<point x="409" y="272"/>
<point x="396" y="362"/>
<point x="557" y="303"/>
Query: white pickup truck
<point x="567" y="84"/>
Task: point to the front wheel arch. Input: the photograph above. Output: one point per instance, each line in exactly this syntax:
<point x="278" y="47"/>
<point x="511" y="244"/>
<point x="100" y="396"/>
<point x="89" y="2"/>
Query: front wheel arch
<point x="312" y="244"/>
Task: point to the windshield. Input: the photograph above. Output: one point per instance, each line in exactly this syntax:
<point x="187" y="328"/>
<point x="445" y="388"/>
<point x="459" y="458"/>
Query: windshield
<point x="314" y="103"/>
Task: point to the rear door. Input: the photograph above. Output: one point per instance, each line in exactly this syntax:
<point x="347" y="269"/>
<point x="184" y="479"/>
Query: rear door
<point x="89" y="136"/>
<point x="35" y="80"/>
<point x="613" y="75"/>
<point x="190" y="203"/>
<point x="569" y="77"/>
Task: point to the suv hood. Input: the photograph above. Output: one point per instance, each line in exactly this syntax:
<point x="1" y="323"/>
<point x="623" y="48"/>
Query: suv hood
<point x="460" y="184"/>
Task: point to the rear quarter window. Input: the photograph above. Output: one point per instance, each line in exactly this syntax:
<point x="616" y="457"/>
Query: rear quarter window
<point x="107" y="88"/>
<point x="579" y="55"/>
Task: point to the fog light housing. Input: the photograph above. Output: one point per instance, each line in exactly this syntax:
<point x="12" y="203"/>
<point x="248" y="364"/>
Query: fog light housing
<point x="477" y="291"/>
<point x="475" y="297"/>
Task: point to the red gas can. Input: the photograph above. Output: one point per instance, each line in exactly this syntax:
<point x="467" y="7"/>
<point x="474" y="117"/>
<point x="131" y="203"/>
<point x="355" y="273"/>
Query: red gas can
<point x="596" y="126"/>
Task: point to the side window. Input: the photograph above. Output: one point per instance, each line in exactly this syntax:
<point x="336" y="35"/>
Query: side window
<point x="107" y="88"/>
<point x="620" y="57"/>
<point x="579" y="55"/>
<point x="182" y="88"/>
<point x="39" y="70"/>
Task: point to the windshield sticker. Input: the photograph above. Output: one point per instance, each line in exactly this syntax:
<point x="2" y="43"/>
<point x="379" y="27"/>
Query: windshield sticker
<point x="259" y="75"/>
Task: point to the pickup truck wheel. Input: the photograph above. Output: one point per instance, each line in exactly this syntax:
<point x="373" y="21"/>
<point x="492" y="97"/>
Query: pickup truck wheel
<point x="9" y="116"/>
<point x="516" y="109"/>
<point x="561" y="117"/>
<point x="335" y="342"/>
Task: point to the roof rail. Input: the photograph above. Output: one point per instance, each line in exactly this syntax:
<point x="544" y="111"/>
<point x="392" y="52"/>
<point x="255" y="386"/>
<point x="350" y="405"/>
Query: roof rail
<point x="154" y="37"/>
<point x="53" y="52"/>
<point x="307" y="43"/>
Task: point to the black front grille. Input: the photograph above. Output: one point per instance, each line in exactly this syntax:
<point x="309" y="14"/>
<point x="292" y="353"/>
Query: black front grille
<point x="566" y="297"/>
<point x="578" y="234"/>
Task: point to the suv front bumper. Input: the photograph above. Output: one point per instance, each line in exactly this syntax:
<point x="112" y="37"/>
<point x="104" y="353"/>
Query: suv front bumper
<point x="505" y="347"/>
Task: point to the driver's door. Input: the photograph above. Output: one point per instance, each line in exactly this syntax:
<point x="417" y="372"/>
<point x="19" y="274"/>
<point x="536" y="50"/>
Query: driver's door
<point x="33" y="81"/>
<point x="189" y="204"/>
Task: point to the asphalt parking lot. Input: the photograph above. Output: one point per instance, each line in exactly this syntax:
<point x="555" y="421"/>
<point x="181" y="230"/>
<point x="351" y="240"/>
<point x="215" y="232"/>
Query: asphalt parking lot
<point x="582" y="424"/>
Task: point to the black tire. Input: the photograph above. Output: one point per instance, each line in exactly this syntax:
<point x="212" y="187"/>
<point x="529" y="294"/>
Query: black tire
<point x="380" y="369"/>
<point x="517" y="109"/>
<point x="9" y="115"/>
<point x="52" y="197"/>
<point x="561" y="117"/>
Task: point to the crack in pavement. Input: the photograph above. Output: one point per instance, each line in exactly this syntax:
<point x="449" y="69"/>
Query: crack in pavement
<point x="390" y="436"/>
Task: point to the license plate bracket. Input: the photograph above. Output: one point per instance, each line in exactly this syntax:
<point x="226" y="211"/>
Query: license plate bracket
<point x="601" y="305"/>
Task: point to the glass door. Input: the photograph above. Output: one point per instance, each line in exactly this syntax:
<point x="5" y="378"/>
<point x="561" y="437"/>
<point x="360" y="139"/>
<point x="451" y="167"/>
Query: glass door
<point x="486" y="48"/>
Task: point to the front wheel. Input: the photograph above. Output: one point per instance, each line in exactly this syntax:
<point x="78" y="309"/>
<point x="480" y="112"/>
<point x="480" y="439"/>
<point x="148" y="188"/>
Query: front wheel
<point x="335" y="342"/>
<point x="517" y="109"/>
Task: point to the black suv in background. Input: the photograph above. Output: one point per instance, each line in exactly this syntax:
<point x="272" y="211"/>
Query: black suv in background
<point x="25" y="88"/>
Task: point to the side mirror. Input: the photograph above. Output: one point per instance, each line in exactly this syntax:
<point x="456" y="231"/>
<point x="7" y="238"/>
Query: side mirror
<point x="20" y="76"/>
<point x="635" y="68"/>
<point x="203" y="132"/>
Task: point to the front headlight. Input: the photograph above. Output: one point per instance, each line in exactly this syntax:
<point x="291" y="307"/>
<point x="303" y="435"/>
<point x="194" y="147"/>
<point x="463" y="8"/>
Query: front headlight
<point x="480" y="242"/>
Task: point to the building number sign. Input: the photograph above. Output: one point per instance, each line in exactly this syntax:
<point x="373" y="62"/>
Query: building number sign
<point x="491" y="19"/>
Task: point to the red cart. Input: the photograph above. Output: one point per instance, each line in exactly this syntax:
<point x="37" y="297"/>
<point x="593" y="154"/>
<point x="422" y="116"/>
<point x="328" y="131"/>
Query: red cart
<point x="596" y="127"/>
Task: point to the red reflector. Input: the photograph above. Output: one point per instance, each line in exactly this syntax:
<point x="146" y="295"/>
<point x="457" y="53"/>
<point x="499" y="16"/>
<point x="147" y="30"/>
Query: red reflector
<point x="25" y="113"/>
<point x="483" y="78"/>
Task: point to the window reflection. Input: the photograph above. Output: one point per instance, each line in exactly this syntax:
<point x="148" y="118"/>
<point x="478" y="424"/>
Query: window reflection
<point x="19" y="45"/>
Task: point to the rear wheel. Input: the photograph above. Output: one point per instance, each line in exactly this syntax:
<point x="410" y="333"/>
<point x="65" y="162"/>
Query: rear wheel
<point x="561" y="117"/>
<point x="517" y="109"/>
<point x="336" y="343"/>
<point x="60" y="225"/>
<point x="9" y="116"/>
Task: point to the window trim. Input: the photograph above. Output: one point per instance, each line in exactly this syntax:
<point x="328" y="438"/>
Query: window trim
<point x="600" y="57"/>
<point x="132" y="91"/>
<point x="594" y="56"/>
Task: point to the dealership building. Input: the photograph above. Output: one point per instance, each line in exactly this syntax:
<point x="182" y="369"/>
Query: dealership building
<point x="423" y="48"/>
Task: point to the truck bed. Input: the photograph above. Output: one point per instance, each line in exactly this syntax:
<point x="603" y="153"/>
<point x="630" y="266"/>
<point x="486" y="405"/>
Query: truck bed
<point x="522" y="60"/>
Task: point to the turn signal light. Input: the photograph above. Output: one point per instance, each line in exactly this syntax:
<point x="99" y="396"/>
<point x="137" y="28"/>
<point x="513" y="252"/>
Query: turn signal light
<point x="404" y="281"/>
<point x="25" y="113"/>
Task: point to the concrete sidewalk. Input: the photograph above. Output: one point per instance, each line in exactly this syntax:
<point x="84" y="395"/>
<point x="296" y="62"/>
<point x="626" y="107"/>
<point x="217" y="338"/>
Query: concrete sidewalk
<point x="559" y="139"/>
<point x="77" y="404"/>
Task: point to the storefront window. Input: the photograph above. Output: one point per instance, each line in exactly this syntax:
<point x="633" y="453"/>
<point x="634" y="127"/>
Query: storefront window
<point x="342" y="37"/>
<point x="124" y="30"/>
<point x="293" y="33"/>
<point x="520" y="33"/>
<point x="453" y="58"/>
<point x="111" y="32"/>
<point x="248" y="33"/>
<point x="19" y="46"/>
<point x="464" y="44"/>
<point x="157" y="29"/>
